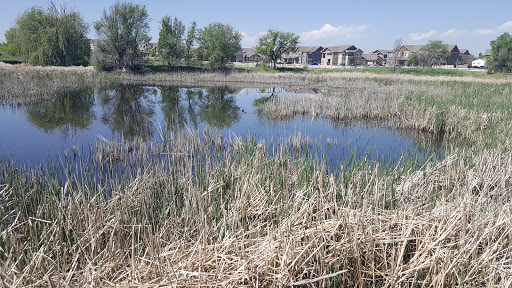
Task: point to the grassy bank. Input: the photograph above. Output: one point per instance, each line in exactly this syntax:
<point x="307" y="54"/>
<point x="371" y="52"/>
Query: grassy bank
<point x="206" y="210"/>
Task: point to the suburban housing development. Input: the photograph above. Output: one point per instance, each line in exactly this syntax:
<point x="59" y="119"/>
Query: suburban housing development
<point x="351" y="55"/>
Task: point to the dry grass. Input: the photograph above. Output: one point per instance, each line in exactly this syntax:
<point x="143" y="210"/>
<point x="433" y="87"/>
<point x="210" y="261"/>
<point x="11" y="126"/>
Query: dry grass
<point x="197" y="214"/>
<point x="201" y="210"/>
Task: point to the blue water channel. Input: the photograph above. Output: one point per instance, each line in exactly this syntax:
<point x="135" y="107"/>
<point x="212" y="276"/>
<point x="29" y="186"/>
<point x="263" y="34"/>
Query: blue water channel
<point x="32" y="134"/>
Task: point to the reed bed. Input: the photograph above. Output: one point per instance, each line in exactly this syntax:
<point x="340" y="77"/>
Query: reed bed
<point x="452" y="111"/>
<point x="205" y="210"/>
<point x="200" y="209"/>
<point x="21" y="84"/>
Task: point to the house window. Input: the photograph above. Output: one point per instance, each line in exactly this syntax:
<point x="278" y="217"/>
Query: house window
<point x="323" y="55"/>
<point x="357" y="54"/>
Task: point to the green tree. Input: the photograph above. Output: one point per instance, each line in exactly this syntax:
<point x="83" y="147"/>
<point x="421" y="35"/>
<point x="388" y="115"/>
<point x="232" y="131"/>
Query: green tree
<point x="189" y="42"/>
<point x="54" y="36"/>
<point x="123" y="32"/>
<point x="274" y="43"/>
<point x="501" y="58"/>
<point x="413" y="59"/>
<point x="218" y="44"/>
<point x="434" y="53"/>
<point x="171" y="44"/>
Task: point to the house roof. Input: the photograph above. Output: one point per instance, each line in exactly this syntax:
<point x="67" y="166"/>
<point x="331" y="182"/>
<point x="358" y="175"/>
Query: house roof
<point x="372" y="57"/>
<point x="383" y="51"/>
<point x="341" y="48"/>
<point x="248" y="52"/>
<point x="464" y="51"/>
<point x="452" y="48"/>
<point x="488" y="52"/>
<point x="310" y="49"/>
<point x="413" y="48"/>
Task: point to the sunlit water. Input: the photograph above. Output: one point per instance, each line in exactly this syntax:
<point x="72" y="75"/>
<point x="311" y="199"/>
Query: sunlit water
<point x="33" y="134"/>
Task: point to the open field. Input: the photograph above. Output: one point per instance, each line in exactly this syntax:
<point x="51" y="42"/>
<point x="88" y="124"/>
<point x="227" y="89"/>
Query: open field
<point x="200" y="209"/>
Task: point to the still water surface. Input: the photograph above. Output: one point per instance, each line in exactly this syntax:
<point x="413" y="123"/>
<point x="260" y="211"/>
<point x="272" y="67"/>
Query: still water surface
<point x="32" y="134"/>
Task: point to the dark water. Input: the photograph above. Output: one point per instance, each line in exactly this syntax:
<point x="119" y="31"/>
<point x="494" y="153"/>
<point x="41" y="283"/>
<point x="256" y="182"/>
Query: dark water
<point x="32" y="134"/>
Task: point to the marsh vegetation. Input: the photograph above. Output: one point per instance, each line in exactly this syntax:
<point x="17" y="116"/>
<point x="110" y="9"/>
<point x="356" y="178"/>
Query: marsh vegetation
<point x="198" y="207"/>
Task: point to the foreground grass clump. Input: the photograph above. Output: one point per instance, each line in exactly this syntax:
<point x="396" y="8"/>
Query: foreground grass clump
<point x="200" y="209"/>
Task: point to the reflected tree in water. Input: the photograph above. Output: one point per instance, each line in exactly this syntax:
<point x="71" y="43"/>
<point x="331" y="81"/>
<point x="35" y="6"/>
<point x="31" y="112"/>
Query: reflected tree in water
<point x="70" y="110"/>
<point x="218" y="107"/>
<point x="128" y="110"/>
<point x="173" y="110"/>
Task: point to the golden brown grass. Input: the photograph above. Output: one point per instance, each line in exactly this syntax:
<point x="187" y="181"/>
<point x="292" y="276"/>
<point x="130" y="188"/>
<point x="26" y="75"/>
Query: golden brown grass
<point x="205" y="211"/>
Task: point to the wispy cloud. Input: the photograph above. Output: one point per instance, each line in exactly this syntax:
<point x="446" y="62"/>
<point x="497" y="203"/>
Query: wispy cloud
<point x="420" y="36"/>
<point x="484" y="32"/>
<point x="505" y="27"/>
<point x="452" y="33"/>
<point x="329" y="34"/>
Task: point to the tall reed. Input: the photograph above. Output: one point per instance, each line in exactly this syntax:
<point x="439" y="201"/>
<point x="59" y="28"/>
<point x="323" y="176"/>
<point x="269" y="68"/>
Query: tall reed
<point x="201" y="209"/>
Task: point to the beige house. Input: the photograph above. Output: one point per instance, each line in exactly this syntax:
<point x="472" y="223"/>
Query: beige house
<point x="345" y="55"/>
<point x="373" y="59"/>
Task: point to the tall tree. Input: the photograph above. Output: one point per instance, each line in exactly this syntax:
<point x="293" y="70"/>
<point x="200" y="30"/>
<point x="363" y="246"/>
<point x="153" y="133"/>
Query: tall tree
<point x="434" y="53"/>
<point x="54" y="36"/>
<point x="274" y="43"/>
<point x="171" y="44"/>
<point x="218" y="44"/>
<point x="123" y="32"/>
<point x="189" y="42"/>
<point x="395" y="56"/>
<point x="501" y="58"/>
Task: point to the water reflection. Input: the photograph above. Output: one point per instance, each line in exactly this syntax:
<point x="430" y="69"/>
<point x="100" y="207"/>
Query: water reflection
<point x="137" y="112"/>
<point x="68" y="111"/>
<point x="128" y="110"/>
<point x="218" y="107"/>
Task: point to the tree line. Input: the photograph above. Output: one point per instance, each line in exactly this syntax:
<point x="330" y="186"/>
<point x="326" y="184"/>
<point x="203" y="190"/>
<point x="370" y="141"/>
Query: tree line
<point x="58" y="36"/>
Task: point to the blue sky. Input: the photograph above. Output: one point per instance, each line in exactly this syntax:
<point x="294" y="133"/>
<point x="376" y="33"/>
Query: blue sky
<point x="369" y="25"/>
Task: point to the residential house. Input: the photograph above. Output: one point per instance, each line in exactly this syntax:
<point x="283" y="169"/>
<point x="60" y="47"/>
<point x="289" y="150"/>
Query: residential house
<point x="382" y="53"/>
<point x="291" y="57"/>
<point x="454" y="54"/>
<point x="248" y="55"/>
<point x="344" y="55"/>
<point x="464" y="56"/>
<point x="373" y="59"/>
<point x="406" y="50"/>
<point x="150" y="49"/>
<point x="488" y="53"/>
<point x="310" y="54"/>
<point x="402" y="55"/>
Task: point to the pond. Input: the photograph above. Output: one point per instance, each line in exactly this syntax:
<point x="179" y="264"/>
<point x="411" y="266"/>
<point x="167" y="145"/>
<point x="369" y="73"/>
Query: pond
<point x="31" y="134"/>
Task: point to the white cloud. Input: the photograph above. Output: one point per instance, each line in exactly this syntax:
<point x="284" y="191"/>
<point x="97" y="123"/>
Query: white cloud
<point x="484" y="32"/>
<point x="452" y="33"/>
<point x="332" y="35"/>
<point x="417" y="36"/>
<point x="505" y="27"/>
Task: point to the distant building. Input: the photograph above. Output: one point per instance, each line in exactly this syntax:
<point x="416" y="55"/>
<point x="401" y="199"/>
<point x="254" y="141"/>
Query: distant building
<point x="344" y="55"/>
<point x="310" y="54"/>
<point x="248" y="55"/>
<point x="488" y="53"/>
<point x="373" y="59"/>
<point x="464" y="56"/>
